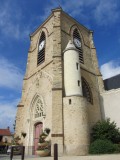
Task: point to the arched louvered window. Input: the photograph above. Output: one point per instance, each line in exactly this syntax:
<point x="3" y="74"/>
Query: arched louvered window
<point x="41" y="49"/>
<point x="87" y="91"/>
<point x="78" y="44"/>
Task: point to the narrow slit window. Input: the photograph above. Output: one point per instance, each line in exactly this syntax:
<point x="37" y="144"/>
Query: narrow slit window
<point x="77" y="66"/>
<point x="78" y="83"/>
<point x="70" y="101"/>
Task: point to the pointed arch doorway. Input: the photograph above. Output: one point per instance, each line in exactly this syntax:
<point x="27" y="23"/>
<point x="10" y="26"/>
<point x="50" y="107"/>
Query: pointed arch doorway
<point x="38" y="130"/>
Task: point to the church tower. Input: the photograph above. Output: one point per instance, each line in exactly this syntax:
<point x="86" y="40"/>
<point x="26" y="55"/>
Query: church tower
<point x="61" y="87"/>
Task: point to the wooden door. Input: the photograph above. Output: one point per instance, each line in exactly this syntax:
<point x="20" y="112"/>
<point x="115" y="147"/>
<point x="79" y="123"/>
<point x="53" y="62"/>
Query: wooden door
<point x="38" y="131"/>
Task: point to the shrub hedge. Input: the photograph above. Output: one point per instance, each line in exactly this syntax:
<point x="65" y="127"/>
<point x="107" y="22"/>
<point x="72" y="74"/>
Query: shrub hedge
<point x="102" y="147"/>
<point x="106" y="130"/>
<point x="105" y="138"/>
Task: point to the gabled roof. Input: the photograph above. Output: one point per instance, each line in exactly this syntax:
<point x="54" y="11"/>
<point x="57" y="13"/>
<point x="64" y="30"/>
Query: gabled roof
<point x="112" y="83"/>
<point x="5" y="132"/>
<point x="63" y="12"/>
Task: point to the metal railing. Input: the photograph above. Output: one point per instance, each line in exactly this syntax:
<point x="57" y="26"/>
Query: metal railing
<point x="22" y="152"/>
<point x="3" y="149"/>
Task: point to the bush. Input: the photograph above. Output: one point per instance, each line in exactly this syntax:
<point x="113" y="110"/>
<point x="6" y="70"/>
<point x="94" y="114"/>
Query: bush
<point x="106" y="130"/>
<point x="117" y="148"/>
<point x="47" y="130"/>
<point x="102" y="147"/>
<point x="3" y="149"/>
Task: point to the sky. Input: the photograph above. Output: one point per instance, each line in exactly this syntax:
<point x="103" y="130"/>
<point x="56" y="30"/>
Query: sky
<point x="19" y="18"/>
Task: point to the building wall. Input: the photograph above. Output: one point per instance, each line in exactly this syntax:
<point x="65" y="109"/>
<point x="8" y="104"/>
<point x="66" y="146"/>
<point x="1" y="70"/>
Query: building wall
<point x="8" y="138"/>
<point x="110" y="102"/>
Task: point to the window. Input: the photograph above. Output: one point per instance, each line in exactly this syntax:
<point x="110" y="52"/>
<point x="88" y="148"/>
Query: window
<point x="6" y="140"/>
<point x="87" y="91"/>
<point x="77" y="43"/>
<point x="39" y="109"/>
<point x="70" y="101"/>
<point x="41" y="49"/>
<point x="78" y="83"/>
<point x="77" y="65"/>
<point x="1" y="138"/>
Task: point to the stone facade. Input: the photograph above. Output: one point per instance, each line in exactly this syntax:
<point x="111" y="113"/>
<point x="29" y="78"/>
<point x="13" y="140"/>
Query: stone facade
<point x="76" y="126"/>
<point x="43" y="95"/>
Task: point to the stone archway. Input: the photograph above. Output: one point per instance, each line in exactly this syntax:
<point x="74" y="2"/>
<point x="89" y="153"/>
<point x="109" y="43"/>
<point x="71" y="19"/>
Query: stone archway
<point x="37" y="117"/>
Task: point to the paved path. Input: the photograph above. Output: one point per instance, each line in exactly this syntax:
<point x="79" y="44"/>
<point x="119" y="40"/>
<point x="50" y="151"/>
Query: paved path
<point x="100" y="157"/>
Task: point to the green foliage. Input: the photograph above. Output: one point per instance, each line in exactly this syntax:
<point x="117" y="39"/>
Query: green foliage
<point x="16" y="140"/>
<point x="104" y="135"/>
<point x="102" y="147"/>
<point x="117" y="148"/>
<point x="42" y="137"/>
<point x="47" y="130"/>
<point x="106" y="130"/>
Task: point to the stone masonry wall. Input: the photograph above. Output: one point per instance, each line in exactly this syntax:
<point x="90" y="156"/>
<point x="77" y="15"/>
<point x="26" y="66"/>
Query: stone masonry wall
<point x="38" y="81"/>
<point x="89" y="70"/>
<point x="57" y="107"/>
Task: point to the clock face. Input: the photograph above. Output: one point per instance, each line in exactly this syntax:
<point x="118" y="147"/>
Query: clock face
<point x="77" y="42"/>
<point x="41" y="45"/>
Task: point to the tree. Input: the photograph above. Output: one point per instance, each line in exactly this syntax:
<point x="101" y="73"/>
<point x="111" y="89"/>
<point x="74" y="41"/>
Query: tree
<point x="106" y="130"/>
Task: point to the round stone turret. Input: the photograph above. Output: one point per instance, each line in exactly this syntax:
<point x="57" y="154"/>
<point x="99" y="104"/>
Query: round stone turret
<point x="72" y="75"/>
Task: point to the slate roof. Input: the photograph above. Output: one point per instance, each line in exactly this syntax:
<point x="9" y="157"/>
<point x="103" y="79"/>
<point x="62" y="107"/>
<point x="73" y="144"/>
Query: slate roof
<point x="112" y="83"/>
<point x="5" y="132"/>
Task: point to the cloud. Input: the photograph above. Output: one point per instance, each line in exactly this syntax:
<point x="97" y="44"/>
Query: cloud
<point x="15" y="24"/>
<point x="106" y="12"/>
<point x="102" y="12"/>
<point x="7" y="113"/>
<point x="1" y="97"/>
<point x="10" y="21"/>
<point x="110" y="69"/>
<point x="11" y="76"/>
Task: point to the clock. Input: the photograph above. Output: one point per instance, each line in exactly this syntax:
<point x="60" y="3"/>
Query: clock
<point x="77" y="42"/>
<point x="41" y="45"/>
